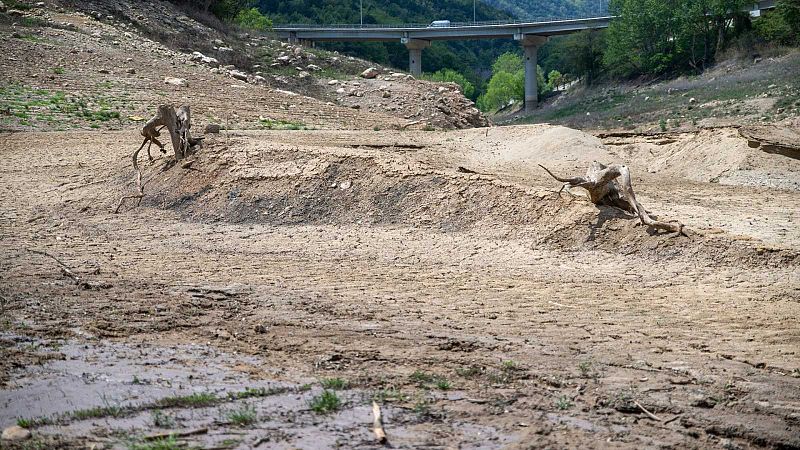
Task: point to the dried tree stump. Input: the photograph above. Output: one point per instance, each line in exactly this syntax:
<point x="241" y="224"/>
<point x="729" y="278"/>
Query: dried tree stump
<point x="606" y="190"/>
<point x="178" y="124"/>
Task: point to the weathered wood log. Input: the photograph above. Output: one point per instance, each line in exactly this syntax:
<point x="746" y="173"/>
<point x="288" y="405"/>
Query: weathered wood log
<point x="178" y="124"/>
<point x="601" y="183"/>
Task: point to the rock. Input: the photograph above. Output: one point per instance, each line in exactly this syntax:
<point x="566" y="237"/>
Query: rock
<point x="218" y="42"/>
<point x="692" y="100"/>
<point x="340" y="91"/>
<point x="333" y="82"/>
<point x="130" y="71"/>
<point x="212" y="128"/>
<point x="176" y="81"/>
<point x="259" y="79"/>
<point x="313" y="67"/>
<point x="303" y="74"/>
<point x="370" y="73"/>
<point x="704" y="402"/>
<point x="106" y="71"/>
<point x="344" y="185"/>
<point x="756" y="60"/>
<point x="40" y="4"/>
<point x="201" y="58"/>
<point x="387" y="94"/>
<point x="2" y="7"/>
<point x="239" y="75"/>
<point x="16" y="35"/>
<point x="15" y="13"/>
<point x="225" y="49"/>
<point x="16" y="433"/>
<point x="283" y="60"/>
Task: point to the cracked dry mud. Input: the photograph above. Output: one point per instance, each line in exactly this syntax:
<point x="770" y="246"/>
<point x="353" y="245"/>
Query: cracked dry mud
<point x="279" y="259"/>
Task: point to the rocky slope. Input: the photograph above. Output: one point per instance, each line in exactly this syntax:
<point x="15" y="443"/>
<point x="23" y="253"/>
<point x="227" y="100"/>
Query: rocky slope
<point x="105" y="64"/>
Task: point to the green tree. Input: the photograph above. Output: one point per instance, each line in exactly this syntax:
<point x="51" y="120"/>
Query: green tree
<point x="451" y="76"/>
<point x="503" y="89"/>
<point x="508" y="62"/>
<point x="658" y="36"/>
<point x="252" y="19"/>
<point x="781" y="25"/>
<point x="554" y="79"/>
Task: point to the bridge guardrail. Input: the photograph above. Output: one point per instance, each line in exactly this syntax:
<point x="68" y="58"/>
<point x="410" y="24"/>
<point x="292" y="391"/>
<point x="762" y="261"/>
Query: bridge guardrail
<point x="306" y="26"/>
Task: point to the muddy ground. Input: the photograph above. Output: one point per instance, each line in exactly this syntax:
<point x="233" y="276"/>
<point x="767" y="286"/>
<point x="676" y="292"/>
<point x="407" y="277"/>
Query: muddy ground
<point x="438" y="273"/>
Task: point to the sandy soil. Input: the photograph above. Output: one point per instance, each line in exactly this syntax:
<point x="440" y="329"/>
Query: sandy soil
<point x="482" y="310"/>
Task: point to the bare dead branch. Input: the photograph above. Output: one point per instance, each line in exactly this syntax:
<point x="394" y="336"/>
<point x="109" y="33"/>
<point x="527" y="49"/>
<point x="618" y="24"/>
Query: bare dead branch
<point x="646" y="412"/>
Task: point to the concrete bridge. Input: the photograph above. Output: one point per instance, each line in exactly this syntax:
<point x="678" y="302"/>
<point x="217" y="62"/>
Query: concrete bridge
<point x="416" y="37"/>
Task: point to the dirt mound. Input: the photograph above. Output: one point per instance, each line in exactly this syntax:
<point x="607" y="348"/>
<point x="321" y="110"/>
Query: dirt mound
<point x="719" y="155"/>
<point x="238" y="180"/>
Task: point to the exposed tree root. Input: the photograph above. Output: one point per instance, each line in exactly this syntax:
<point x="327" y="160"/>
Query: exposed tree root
<point x="604" y="190"/>
<point x="178" y="123"/>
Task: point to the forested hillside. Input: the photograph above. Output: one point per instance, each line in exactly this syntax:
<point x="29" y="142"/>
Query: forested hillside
<point x="544" y="9"/>
<point x="470" y="58"/>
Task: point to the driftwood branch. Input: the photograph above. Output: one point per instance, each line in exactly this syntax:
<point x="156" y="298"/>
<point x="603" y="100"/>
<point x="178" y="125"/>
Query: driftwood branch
<point x="178" y="124"/>
<point x="377" y="424"/>
<point x="68" y="272"/>
<point x="605" y="190"/>
<point x="646" y="412"/>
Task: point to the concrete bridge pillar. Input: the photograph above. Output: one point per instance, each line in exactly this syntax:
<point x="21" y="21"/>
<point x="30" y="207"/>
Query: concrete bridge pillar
<point x="415" y="47"/>
<point x="530" y="45"/>
<point x="293" y="37"/>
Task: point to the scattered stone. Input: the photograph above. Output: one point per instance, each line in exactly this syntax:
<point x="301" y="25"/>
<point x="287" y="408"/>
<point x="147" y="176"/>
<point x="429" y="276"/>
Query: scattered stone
<point x="313" y="67"/>
<point x="303" y="74"/>
<point x="201" y="58"/>
<point x="704" y="402"/>
<point x="15" y="13"/>
<point x="344" y="185"/>
<point x="131" y="71"/>
<point x="692" y="100"/>
<point x="218" y="42"/>
<point x="333" y="82"/>
<point x="212" y="128"/>
<point x="239" y="75"/>
<point x="176" y="81"/>
<point x="106" y="71"/>
<point x="756" y="60"/>
<point x="16" y="433"/>
<point x="370" y="73"/>
<point x="387" y="94"/>
<point x="224" y="49"/>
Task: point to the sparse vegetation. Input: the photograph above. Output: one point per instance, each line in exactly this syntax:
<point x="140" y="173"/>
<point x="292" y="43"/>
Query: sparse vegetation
<point x="161" y="419"/>
<point x="167" y="443"/>
<point x="244" y="415"/>
<point x="196" y="400"/>
<point x="325" y="402"/>
<point x="563" y="403"/>
<point x="334" y="383"/>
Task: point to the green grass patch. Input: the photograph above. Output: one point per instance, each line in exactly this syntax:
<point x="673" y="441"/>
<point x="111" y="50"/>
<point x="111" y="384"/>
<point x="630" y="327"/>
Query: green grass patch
<point x="256" y="393"/>
<point x="270" y="124"/>
<point x="326" y="402"/>
<point x="98" y="412"/>
<point x="334" y="383"/>
<point x="246" y="415"/>
<point x="167" y="443"/>
<point x="197" y="400"/>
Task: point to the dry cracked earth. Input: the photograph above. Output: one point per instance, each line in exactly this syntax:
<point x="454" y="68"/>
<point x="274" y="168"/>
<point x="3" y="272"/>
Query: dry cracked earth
<point x="437" y="273"/>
